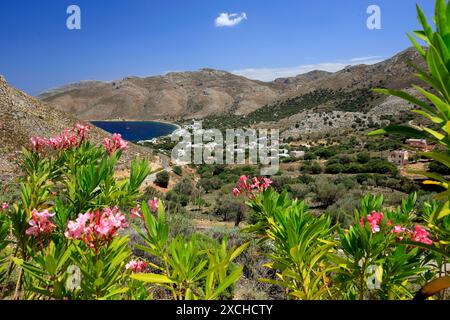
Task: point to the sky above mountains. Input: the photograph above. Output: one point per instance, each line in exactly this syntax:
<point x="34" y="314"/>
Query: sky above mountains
<point x="259" y="39"/>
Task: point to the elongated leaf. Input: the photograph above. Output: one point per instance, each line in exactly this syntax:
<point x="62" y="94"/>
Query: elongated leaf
<point x="151" y="278"/>
<point x="403" y="130"/>
<point x="439" y="136"/>
<point x="441" y="20"/>
<point x="417" y="46"/>
<point x="440" y="157"/>
<point x="423" y="21"/>
<point x="232" y="278"/>
<point x="440" y="105"/>
<point x="406" y="96"/>
<point x="429" y="116"/>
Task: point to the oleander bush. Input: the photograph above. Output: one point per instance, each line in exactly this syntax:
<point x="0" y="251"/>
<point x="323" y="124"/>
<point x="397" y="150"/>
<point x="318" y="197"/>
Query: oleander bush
<point x="68" y="237"/>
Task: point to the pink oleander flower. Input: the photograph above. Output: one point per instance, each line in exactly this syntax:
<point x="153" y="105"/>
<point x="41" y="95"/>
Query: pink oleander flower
<point x="68" y="139"/>
<point x="421" y="235"/>
<point x="117" y="143"/>
<point x="136" y="212"/>
<point x="374" y="219"/>
<point x="257" y="185"/>
<point x="374" y="227"/>
<point x="4" y="206"/>
<point x="242" y="183"/>
<point x="96" y="228"/>
<point x="37" y="143"/>
<point x="40" y="223"/>
<point x="136" y="266"/>
<point x="153" y="204"/>
<point x="75" y="229"/>
<point x="82" y="131"/>
<point x="108" y="146"/>
<point x="399" y="230"/>
<point x="55" y="143"/>
<point x="266" y="183"/>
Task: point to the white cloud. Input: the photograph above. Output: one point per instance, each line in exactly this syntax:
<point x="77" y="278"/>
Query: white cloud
<point x="366" y="58"/>
<point x="270" y="74"/>
<point x="230" y="20"/>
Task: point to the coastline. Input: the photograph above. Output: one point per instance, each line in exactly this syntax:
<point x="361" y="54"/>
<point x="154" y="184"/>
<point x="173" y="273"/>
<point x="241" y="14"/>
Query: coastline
<point x="177" y="126"/>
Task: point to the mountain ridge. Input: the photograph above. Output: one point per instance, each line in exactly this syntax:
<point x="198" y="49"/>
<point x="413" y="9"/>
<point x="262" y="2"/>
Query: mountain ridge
<point x="209" y="92"/>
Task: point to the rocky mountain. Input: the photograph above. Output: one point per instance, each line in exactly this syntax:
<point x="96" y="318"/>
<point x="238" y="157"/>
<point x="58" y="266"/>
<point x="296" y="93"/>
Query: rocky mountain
<point x="194" y="94"/>
<point x="23" y="117"/>
<point x="207" y="92"/>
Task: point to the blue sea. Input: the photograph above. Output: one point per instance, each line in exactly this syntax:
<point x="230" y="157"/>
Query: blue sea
<point x="136" y="130"/>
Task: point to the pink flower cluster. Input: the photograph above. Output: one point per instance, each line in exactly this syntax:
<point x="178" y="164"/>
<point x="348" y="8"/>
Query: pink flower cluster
<point x="374" y="219"/>
<point x="96" y="227"/>
<point x="152" y="205"/>
<point x="136" y="212"/>
<point x="82" y="131"/>
<point x="4" y="206"/>
<point x="40" y="223"/>
<point x="117" y="143"/>
<point x="419" y="234"/>
<point x="255" y="184"/>
<point x="136" y="266"/>
<point x="70" y="138"/>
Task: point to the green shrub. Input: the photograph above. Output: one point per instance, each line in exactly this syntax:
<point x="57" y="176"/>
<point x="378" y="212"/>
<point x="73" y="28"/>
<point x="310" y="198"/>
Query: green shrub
<point x="334" y="168"/>
<point x="316" y="168"/>
<point x="162" y="179"/>
<point x="210" y="184"/>
<point x="178" y="170"/>
<point x="363" y="157"/>
<point x="305" y="179"/>
<point x="230" y="209"/>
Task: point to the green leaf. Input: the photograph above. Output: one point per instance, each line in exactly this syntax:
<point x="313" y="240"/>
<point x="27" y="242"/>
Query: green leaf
<point x="232" y="278"/>
<point x="417" y="46"/>
<point x="441" y="21"/>
<point x="440" y="157"/>
<point x="429" y="116"/>
<point x="50" y="265"/>
<point x="114" y="293"/>
<point x="239" y="250"/>
<point x="437" y="135"/>
<point x="426" y="27"/>
<point x="403" y="130"/>
<point x="443" y="107"/>
<point x="151" y="278"/>
<point x="406" y="96"/>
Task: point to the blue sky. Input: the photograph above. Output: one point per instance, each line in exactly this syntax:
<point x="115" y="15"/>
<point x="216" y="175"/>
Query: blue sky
<point x="120" y="38"/>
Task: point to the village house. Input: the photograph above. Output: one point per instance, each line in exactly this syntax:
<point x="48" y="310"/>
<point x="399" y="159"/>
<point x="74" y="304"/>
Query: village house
<point x="399" y="157"/>
<point x="297" y="154"/>
<point x="419" y="144"/>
